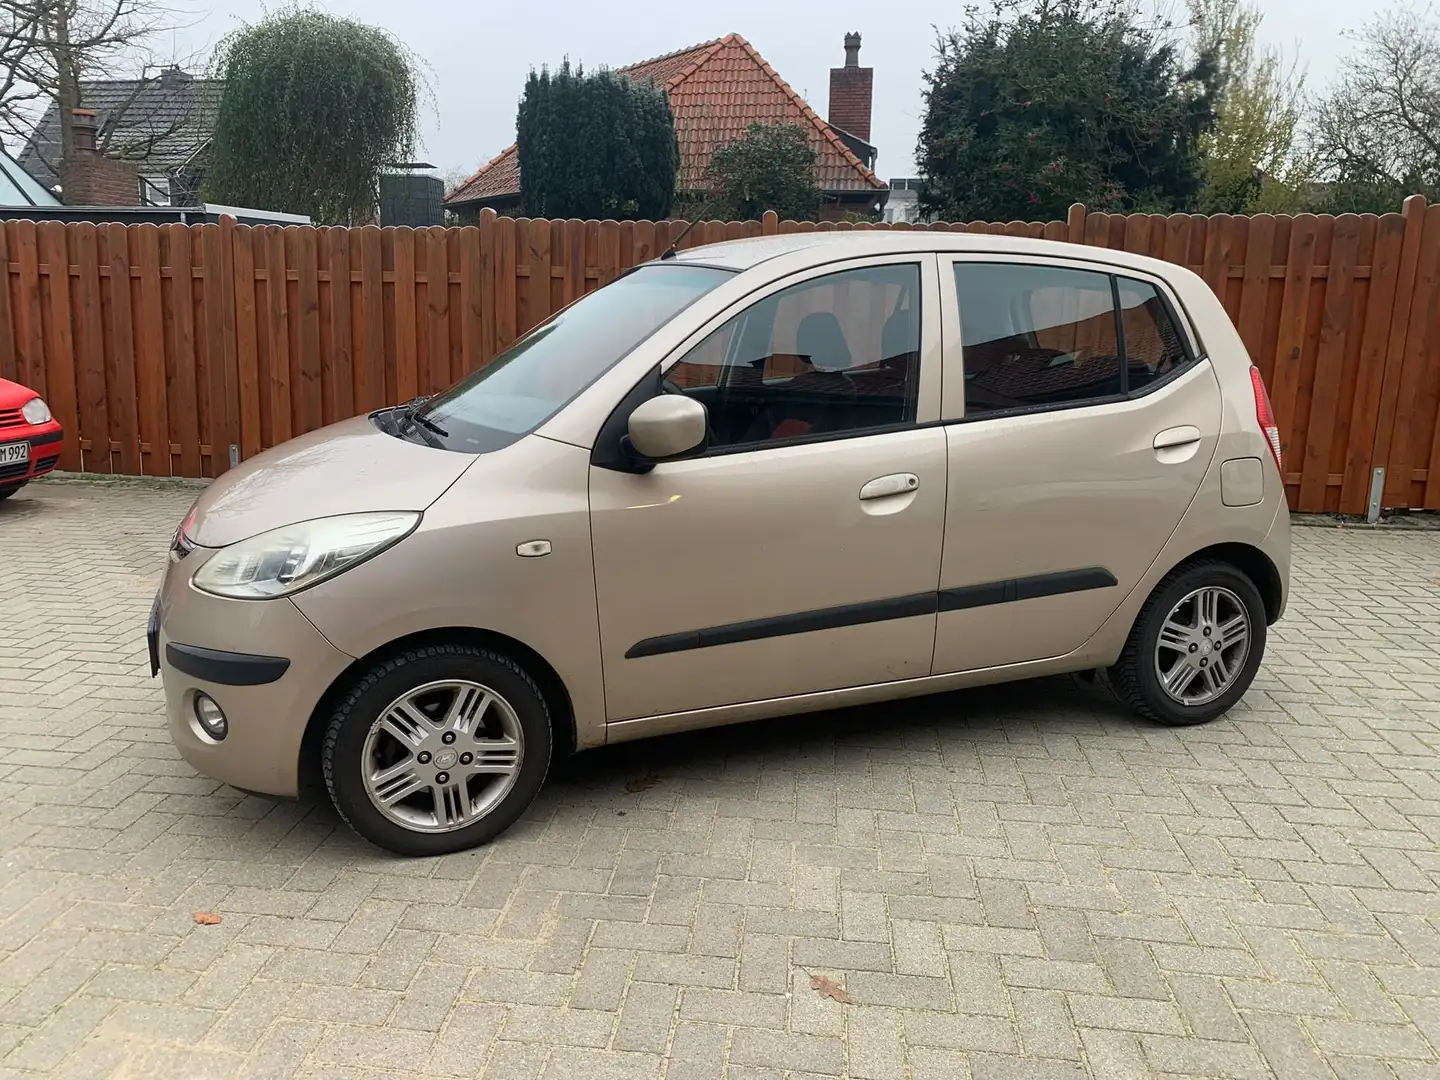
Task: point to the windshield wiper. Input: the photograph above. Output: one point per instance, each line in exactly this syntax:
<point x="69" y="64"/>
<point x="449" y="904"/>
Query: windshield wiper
<point x="411" y="415"/>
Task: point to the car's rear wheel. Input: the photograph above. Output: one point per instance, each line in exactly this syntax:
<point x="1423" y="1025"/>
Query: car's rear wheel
<point x="1195" y="647"/>
<point x="437" y="749"/>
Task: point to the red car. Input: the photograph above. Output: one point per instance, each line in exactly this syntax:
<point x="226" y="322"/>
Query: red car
<point x="30" y="438"/>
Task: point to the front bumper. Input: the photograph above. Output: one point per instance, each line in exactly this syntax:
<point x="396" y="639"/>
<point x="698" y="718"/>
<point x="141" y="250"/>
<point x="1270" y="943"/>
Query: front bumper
<point x="45" y="442"/>
<point x="262" y="662"/>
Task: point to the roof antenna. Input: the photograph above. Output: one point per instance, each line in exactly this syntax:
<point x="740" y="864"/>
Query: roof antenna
<point x="669" y="252"/>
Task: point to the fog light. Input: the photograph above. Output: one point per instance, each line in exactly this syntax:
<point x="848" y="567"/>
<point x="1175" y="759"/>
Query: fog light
<point x="210" y="717"/>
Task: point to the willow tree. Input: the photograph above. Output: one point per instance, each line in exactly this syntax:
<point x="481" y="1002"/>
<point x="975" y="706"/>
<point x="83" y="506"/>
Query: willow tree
<point x="314" y="107"/>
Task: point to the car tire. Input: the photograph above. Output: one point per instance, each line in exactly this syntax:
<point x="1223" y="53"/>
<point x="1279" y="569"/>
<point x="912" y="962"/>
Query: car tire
<point x="442" y="806"/>
<point x="1179" y="607"/>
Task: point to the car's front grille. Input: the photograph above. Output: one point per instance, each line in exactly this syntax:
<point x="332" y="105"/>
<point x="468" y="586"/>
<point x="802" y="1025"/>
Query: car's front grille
<point x="10" y="472"/>
<point x="11" y="418"/>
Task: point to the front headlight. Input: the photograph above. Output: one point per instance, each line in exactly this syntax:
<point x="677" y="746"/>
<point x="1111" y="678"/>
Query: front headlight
<point x="35" y="411"/>
<point x="292" y="558"/>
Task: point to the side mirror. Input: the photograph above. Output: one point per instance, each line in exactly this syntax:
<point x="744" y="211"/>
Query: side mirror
<point x="667" y="426"/>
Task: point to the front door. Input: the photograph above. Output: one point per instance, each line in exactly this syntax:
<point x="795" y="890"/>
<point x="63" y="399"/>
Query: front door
<point x="1085" y="425"/>
<point x="801" y="552"/>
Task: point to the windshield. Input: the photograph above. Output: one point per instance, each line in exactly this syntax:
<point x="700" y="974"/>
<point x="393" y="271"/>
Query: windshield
<point x="542" y="372"/>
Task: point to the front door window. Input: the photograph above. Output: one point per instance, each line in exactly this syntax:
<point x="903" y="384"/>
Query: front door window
<point x="834" y="356"/>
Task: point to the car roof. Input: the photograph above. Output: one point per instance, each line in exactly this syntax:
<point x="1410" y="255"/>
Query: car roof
<point x="751" y="252"/>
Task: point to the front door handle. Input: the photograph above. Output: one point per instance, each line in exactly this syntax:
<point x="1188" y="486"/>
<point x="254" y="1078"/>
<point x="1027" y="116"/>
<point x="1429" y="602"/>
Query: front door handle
<point x="1177" y="436"/>
<point x="894" y="484"/>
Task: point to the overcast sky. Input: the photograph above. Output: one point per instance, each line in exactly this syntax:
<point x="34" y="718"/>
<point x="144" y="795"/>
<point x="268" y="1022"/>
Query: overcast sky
<point x="479" y="53"/>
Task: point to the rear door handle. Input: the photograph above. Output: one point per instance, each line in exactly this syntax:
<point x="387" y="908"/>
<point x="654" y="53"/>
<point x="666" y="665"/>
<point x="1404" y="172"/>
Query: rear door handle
<point x="1177" y="436"/>
<point x="894" y="484"/>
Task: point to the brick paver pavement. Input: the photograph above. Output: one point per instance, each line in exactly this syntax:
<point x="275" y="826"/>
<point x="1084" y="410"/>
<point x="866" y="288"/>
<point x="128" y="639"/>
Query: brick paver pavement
<point x="1022" y="882"/>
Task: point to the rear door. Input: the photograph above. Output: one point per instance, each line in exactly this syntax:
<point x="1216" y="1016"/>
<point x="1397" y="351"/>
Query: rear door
<point x="1080" y="423"/>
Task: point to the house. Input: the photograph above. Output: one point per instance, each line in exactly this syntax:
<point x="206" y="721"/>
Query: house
<point x="160" y="125"/>
<point x="716" y="91"/>
<point x="101" y="188"/>
<point x="904" y="201"/>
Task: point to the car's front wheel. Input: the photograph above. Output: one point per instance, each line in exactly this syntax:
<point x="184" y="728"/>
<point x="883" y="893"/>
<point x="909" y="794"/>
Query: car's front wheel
<point x="1195" y="647"/>
<point x="437" y="749"/>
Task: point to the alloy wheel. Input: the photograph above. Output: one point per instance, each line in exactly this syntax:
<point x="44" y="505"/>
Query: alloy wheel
<point x="442" y="756"/>
<point x="1202" y="646"/>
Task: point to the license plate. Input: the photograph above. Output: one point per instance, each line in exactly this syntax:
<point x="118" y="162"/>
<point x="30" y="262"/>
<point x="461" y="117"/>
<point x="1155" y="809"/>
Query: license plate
<point x="14" y="453"/>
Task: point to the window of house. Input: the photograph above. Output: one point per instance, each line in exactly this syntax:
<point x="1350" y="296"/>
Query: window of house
<point x="832" y="355"/>
<point x="154" y="191"/>
<point x="1037" y="335"/>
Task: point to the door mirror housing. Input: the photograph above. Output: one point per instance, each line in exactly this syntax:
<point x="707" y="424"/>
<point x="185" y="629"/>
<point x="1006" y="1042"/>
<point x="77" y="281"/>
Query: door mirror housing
<point x="668" y="426"/>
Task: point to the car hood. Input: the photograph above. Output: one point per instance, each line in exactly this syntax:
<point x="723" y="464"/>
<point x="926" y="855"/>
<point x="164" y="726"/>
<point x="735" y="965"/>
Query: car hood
<point x="347" y="468"/>
<point x="13" y="394"/>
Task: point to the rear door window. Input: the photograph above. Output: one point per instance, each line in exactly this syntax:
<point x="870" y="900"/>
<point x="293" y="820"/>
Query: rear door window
<point x="1036" y="336"/>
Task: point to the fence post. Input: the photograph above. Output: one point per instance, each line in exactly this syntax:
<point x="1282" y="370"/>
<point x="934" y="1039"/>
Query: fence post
<point x="58" y="350"/>
<point x="225" y="453"/>
<point x="1075" y="224"/>
<point x="1397" y="487"/>
<point x="489" y="341"/>
<point x="769" y="223"/>
<point x="9" y="366"/>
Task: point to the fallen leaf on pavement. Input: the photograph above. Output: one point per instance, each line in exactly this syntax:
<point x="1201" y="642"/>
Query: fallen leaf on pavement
<point x="642" y="783"/>
<point x="829" y="988"/>
<point x="207" y="918"/>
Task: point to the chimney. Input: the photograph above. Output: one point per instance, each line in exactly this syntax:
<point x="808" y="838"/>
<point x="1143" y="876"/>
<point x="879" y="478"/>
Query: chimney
<point x="850" y="92"/>
<point x="84" y="126"/>
<point x="92" y="179"/>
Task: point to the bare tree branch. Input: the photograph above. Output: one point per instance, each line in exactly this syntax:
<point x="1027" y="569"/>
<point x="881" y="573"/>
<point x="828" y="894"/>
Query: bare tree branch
<point x="1381" y="121"/>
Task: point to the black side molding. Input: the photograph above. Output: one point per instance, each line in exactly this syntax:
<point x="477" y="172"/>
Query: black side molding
<point x="900" y="607"/>
<point x="1026" y="588"/>
<point x="48" y="437"/>
<point x="968" y="596"/>
<point x="225" y="668"/>
<point x="1065" y="581"/>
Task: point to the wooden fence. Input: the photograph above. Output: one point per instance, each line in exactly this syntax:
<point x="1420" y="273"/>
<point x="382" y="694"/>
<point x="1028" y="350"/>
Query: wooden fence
<point x="170" y="350"/>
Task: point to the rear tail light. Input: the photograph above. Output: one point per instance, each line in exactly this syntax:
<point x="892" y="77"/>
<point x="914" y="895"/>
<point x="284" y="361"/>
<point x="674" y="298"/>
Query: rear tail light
<point x="1266" y="415"/>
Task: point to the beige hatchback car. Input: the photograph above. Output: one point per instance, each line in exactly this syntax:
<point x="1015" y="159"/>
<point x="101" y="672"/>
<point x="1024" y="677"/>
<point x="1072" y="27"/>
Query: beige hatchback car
<point x="756" y="478"/>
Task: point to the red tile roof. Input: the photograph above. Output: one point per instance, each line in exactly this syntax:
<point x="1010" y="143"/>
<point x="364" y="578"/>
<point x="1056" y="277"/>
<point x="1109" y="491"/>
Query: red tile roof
<point x="665" y="68"/>
<point x="716" y="91"/>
